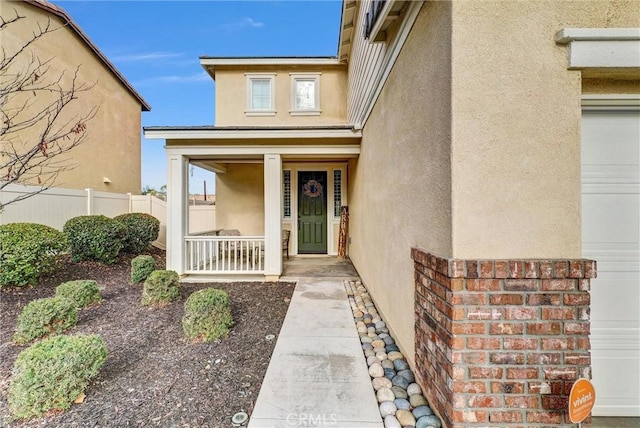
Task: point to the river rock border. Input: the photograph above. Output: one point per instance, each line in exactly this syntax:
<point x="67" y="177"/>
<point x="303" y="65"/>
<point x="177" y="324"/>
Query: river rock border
<point x="400" y="399"/>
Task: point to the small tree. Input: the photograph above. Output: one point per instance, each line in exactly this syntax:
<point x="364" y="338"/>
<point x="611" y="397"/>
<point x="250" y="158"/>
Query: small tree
<point x="37" y="126"/>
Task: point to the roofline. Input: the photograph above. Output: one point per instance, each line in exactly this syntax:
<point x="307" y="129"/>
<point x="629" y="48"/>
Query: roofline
<point x="62" y="14"/>
<point x="209" y="63"/>
<point x="237" y="133"/>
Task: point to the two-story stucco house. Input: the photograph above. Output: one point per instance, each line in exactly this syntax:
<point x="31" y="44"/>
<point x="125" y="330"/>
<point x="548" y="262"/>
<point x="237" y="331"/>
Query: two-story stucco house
<point x="110" y="157"/>
<point x="489" y="154"/>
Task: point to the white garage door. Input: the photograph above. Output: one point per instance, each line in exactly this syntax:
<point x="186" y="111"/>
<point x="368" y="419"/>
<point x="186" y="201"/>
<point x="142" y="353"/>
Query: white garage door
<point x="611" y="236"/>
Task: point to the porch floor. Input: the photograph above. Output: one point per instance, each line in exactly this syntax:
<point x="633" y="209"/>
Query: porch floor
<point x="317" y="375"/>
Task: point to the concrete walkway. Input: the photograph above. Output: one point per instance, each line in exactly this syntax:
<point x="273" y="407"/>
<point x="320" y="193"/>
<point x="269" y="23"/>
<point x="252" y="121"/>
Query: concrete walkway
<point x="318" y="375"/>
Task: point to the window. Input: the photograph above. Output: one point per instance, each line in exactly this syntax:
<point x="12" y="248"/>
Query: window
<point x="260" y="94"/>
<point x="337" y="192"/>
<point x="305" y="94"/>
<point x="287" y="193"/>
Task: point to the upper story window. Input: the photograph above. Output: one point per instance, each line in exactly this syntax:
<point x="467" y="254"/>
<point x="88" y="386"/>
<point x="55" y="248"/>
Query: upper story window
<point x="261" y="94"/>
<point x="305" y="94"/>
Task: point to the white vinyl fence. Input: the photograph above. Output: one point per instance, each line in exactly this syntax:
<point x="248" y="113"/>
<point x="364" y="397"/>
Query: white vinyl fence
<point x="55" y="206"/>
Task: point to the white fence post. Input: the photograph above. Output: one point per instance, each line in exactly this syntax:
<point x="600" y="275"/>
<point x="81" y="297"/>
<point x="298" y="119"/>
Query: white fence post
<point x="89" y="201"/>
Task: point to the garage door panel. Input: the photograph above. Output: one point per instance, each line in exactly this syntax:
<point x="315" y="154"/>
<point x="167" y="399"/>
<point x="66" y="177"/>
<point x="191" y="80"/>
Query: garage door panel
<point x="611" y="236"/>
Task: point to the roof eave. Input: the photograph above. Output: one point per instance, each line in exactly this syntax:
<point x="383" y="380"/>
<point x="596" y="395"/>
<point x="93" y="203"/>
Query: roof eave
<point x="204" y="133"/>
<point x="62" y="14"/>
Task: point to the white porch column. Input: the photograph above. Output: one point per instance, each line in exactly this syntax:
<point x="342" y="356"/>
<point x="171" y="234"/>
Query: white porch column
<point x="272" y="219"/>
<point x="176" y="211"/>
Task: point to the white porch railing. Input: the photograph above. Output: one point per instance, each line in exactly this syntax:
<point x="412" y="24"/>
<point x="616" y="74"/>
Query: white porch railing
<point x="224" y="254"/>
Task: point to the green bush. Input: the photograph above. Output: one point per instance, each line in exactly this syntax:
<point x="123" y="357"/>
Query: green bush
<point x="141" y="230"/>
<point x="207" y="315"/>
<point x="141" y="268"/>
<point x="82" y="292"/>
<point x="27" y="251"/>
<point x="52" y="373"/>
<point x="44" y="316"/>
<point x="160" y="288"/>
<point x="95" y="237"/>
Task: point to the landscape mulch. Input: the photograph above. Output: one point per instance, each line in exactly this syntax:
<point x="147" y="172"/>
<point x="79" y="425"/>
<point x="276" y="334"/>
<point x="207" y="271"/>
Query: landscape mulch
<point x="154" y="375"/>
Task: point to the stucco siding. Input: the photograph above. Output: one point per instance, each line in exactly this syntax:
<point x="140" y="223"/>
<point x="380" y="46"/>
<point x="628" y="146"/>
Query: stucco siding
<point x="516" y="126"/>
<point x="400" y="185"/>
<point x="112" y="148"/>
<point x="231" y="96"/>
<point x="240" y="199"/>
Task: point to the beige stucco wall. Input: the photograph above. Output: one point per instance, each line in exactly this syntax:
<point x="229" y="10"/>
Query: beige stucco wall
<point x="240" y="199"/>
<point x="231" y="96"/>
<point x="516" y="126"/>
<point x="400" y="185"/>
<point x="112" y="148"/>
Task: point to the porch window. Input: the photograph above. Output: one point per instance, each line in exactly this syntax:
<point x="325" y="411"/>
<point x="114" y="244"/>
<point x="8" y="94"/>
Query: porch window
<point x="305" y="94"/>
<point x="337" y="192"/>
<point x="286" y="180"/>
<point x="260" y="98"/>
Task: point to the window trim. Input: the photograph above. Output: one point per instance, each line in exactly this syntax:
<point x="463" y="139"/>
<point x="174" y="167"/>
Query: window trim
<point x="250" y="77"/>
<point x="305" y="76"/>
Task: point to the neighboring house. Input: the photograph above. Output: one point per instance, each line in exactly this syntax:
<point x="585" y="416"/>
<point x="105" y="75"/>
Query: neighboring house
<point x="110" y="158"/>
<point x="488" y="152"/>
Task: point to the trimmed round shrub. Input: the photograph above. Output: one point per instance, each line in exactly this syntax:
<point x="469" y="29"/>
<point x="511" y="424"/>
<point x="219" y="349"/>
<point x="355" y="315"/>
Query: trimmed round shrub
<point x="160" y="288"/>
<point x="82" y="292"/>
<point x="52" y="373"/>
<point x="45" y="316"/>
<point x="141" y="268"/>
<point x="27" y="251"/>
<point x="207" y="315"/>
<point x="95" y="237"/>
<point x="141" y="230"/>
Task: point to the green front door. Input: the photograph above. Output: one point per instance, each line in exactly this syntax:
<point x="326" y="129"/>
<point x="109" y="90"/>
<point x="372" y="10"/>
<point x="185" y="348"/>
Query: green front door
<point x="312" y="212"/>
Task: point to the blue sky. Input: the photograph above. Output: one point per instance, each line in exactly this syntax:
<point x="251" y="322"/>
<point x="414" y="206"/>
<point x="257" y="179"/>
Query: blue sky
<point x="156" y="45"/>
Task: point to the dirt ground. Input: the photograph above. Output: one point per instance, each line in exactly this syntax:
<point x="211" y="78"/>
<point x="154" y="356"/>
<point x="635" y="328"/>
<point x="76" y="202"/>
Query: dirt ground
<point x="154" y="375"/>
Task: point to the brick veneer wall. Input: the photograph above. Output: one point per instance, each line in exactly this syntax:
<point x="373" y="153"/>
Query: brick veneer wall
<point x="500" y="342"/>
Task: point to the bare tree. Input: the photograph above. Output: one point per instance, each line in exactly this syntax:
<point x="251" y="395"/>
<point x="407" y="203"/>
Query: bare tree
<point x="38" y="125"/>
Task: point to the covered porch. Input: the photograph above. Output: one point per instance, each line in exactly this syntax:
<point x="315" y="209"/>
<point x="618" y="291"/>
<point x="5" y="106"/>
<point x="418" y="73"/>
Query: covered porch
<point x="268" y="180"/>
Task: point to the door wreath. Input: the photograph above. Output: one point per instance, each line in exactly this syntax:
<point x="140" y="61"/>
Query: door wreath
<point x="312" y="189"/>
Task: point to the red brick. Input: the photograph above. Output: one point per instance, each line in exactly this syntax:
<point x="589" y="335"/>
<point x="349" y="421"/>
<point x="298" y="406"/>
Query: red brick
<point x="549" y="417"/>
<point x="522" y="373"/>
<point x="469" y="416"/>
<point x="483" y="401"/>
<point x="506" y="328"/>
<point x="505" y="417"/>
<point x="544" y="328"/>
<point x="456" y="268"/>
<point x="483" y="284"/>
<point x="472" y="268"/>
<point x="483" y="343"/>
<point x="468" y="328"/>
<point x="558" y="314"/>
<point x="584" y="285"/>
<point x="590" y="269"/>
<point x="486" y="269"/>
<point x="458" y="314"/>
<point x="505" y="299"/>
<point x="469" y="358"/>
<point x="557" y="343"/>
<point x="485" y="313"/>
<point x="559" y="285"/>
<point x="468" y="299"/>
<point x="577" y="299"/>
<point x="457" y="284"/>
<point x="584" y="343"/>
<point x="501" y="269"/>
<point x="520" y="343"/>
<point x="546" y="299"/>
<point x="531" y="269"/>
<point x="576" y="328"/>
<point x="485" y="372"/>
<point x="516" y="269"/>
<point x="467" y="387"/>
<point x="560" y="373"/>
<point x="457" y="343"/>
<point x="576" y="270"/>
<point x="542" y="358"/>
<point x="561" y="269"/>
<point x="506" y="358"/>
<point x="546" y="269"/>
<point x="521" y="401"/>
<point x="507" y="387"/>
<point x="521" y="285"/>
<point x="555" y="402"/>
<point x="520" y="313"/>
<point x="544" y="388"/>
